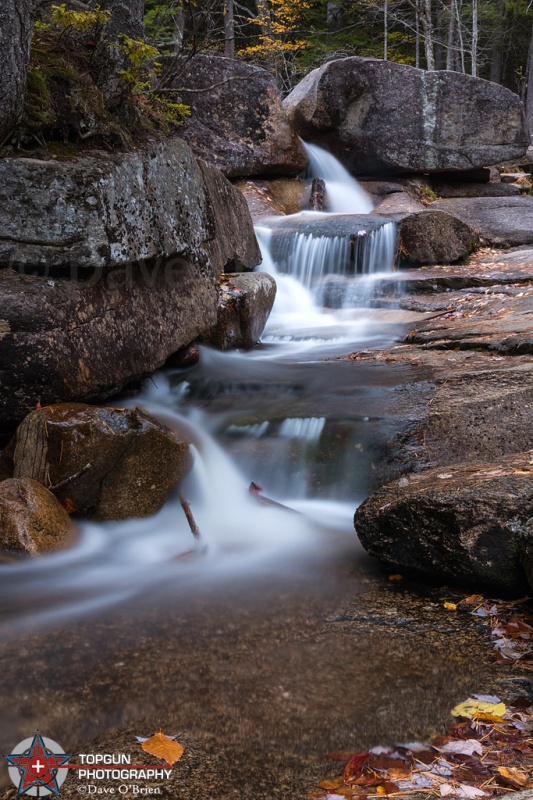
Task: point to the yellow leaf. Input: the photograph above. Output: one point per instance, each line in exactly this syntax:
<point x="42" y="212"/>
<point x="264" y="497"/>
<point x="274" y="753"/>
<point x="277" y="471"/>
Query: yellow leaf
<point x="381" y="790"/>
<point x="488" y="718"/>
<point x="450" y="606"/>
<point x="472" y="708"/>
<point x="163" y="747"/>
<point x="514" y="777"/>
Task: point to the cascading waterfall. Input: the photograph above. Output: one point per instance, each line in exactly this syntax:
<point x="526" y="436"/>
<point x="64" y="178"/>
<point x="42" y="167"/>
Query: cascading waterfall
<point x="330" y="259"/>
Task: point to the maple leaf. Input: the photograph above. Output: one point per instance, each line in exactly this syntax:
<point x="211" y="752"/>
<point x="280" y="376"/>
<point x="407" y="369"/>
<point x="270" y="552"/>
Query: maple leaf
<point x="163" y="747"/>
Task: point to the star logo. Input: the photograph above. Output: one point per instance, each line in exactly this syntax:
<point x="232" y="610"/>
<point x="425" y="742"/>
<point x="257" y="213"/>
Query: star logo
<point x="35" y="766"/>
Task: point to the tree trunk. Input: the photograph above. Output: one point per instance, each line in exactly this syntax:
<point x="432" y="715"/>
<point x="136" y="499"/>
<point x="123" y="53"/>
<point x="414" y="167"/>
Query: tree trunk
<point x="229" y="29"/>
<point x="385" y="30"/>
<point x="458" y="10"/>
<point x="475" y="36"/>
<point x="450" y="47"/>
<point x="496" y="56"/>
<point x="427" y="27"/>
<point x="16" y="25"/>
<point x="127" y="18"/>
<point x="529" y="96"/>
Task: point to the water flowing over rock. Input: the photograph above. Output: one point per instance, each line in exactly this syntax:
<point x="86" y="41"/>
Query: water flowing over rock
<point x="32" y="521"/>
<point x="237" y="121"/>
<point x="105" y="463"/>
<point x="378" y="116"/>
<point x="244" y="304"/>
<point x="467" y="523"/>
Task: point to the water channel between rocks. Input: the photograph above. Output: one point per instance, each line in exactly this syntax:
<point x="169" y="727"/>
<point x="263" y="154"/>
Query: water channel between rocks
<point x="283" y="641"/>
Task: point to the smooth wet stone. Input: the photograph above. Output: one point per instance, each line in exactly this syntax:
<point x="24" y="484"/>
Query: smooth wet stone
<point x="432" y="237"/>
<point x="501" y="221"/>
<point x="244" y="305"/>
<point x="470" y="523"/>
<point x="103" y="463"/>
<point x="32" y="520"/>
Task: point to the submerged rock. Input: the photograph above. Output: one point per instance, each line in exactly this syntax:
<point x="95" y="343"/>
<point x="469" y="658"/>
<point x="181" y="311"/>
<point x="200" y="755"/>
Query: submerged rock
<point x="471" y="523"/>
<point x="237" y="120"/>
<point x="244" y="305"/>
<point x="104" y="463"/>
<point x="32" y="521"/>
<point x="379" y="116"/>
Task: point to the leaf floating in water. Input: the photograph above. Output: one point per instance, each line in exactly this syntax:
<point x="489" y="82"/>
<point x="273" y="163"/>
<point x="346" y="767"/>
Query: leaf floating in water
<point x="163" y="747"/>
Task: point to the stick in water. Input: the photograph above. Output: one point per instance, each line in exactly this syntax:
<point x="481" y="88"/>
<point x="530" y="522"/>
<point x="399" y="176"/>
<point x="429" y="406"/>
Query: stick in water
<point x="195" y="530"/>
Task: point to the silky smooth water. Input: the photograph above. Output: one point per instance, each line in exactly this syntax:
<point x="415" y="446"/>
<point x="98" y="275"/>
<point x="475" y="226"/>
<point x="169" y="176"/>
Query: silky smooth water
<point x="274" y="416"/>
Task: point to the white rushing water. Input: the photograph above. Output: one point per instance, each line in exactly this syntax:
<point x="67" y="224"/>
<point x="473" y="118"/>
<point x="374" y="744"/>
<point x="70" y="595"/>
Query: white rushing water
<point x="344" y="194"/>
<point x="114" y="561"/>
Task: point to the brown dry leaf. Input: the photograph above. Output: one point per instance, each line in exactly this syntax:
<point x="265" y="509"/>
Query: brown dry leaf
<point x="474" y="599"/>
<point x="514" y="777"/>
<point x="163" y="747"/>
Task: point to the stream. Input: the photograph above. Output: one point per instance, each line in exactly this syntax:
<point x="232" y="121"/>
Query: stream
<point x="283" y="637"/>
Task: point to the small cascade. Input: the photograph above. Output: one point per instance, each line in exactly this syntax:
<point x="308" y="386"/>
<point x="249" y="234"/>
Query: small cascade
<point x="344" y="195"/>
<point x="327" y="259"/>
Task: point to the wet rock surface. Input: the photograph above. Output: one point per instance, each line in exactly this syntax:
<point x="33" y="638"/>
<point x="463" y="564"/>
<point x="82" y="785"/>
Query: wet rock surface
<point x="32" y="521"/>
<point x="237" y="121"/>
<point x="244" y="305"/>
<point x="469" y="523"/>
<point x="104" y="463"/>
<point x="346" y="662"/>
<point x="433" y="237"/>
<point x="378" y="116"/>
<point x="470" y="399"/>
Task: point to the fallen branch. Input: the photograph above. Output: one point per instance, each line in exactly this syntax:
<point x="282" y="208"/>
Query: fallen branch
<point x="68" y="480"/>
<point x="255" y="490"/>
<point x="195" y="530"/>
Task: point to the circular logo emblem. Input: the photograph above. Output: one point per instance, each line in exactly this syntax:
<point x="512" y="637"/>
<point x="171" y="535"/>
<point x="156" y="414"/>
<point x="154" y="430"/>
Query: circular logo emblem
<point x="36" y="766"/>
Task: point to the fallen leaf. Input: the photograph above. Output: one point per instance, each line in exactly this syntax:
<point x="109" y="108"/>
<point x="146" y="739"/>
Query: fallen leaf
<point x="472" y="707"/>
<point x="514" y="777"/>
<point x="450" y="606"/>
<point x="466" y="747"/>
<point x="163" y="747"/>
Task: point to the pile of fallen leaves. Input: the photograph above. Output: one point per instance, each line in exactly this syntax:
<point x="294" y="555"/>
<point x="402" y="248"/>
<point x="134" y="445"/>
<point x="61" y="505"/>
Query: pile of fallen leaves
<point x="487" y="753"/>
<point x="511" y="627"/>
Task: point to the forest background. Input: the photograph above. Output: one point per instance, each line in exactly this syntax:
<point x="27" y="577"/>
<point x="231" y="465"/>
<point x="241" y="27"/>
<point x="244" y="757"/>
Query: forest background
<point x="490" y="39"/>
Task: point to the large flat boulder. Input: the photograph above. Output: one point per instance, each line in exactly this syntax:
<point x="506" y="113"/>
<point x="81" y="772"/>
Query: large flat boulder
<point x="470" y="523"/>
<point x="110" y="266"/>
<point x="379" y="116"/>
<point x="237" y="120"/>
<point x="501" y="221"/>
<point x="104" y="463"/>
<point x="110" y="210"/>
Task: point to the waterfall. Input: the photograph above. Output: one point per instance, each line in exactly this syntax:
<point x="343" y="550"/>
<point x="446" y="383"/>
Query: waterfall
<point x="344" y="195"/>
<point x="331" y="259"/>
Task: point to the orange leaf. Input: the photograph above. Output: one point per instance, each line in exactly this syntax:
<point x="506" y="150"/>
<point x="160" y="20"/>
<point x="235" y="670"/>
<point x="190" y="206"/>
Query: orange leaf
<point x="514" y="777"/>
<point x="163" y="747"/>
